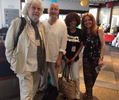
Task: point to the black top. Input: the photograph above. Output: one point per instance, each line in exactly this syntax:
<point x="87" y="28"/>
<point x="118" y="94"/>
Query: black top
<point x="92" y="47"/>
<point x="73" y="41"/>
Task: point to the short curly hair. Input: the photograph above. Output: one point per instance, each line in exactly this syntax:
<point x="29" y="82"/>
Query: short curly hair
<point x="70" y="17"/>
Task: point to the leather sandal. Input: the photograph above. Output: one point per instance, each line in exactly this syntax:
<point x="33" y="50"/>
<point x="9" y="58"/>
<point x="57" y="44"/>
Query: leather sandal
<point x="65" y="98"/>
<point x="84" y="95"/>
<point x="77" y="99"/>
<point x="87" y="98"/>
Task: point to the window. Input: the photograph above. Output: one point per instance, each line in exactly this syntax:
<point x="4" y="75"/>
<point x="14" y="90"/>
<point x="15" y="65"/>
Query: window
<point x="115" y="18"/>
<point x="104" y="15"/>
<point x="93" y="12"/>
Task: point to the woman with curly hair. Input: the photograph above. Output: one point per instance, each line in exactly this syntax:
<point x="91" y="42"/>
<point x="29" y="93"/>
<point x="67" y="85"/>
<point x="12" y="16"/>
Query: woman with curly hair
<point x="94" y="43"/>
<point x="74" y="47"/>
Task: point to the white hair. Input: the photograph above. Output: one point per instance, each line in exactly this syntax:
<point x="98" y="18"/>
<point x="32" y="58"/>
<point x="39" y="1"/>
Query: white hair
<point x="27" y="5"/>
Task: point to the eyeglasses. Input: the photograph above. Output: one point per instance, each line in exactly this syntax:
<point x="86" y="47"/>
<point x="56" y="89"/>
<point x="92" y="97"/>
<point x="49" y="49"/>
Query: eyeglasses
<point x="34" y="8"/>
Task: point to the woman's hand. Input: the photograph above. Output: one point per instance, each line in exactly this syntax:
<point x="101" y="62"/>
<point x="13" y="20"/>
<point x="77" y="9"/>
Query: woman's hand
<point x="72" y="61"/>
<point x="100" y="62"/>
<point x="67" y="61"/>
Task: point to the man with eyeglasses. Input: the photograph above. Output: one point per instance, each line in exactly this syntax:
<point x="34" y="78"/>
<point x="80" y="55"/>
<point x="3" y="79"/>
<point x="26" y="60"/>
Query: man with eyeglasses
<point x="27" y="59"/>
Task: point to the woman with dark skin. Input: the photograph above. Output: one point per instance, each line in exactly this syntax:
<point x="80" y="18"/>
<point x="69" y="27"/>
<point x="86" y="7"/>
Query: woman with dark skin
<point x="94" y="43"/>
<point x="74" y="47"/>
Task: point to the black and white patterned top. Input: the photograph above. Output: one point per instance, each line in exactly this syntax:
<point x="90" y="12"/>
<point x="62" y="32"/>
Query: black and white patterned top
<point x="92" y="47"/>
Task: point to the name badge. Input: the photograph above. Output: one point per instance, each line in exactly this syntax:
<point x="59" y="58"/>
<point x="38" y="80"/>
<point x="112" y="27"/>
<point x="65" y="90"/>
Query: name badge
<point x="73" y="49"/>
<point x="37" y="42"/>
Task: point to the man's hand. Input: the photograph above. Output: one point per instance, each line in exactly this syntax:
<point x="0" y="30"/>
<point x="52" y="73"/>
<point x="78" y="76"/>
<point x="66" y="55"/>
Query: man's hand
<point x="58" y="63"/>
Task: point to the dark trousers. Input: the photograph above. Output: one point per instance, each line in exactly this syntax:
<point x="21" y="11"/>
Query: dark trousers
<point x="90" y="75"/>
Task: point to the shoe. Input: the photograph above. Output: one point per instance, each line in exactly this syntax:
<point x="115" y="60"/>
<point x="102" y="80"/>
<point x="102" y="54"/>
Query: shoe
<point x="84" y="95"/>
<point x="87" y="98"/>
<point x="51" y="93"/>
<point x="77" y="99"/>
<point x="39" y="91"/>
<point x="65" y="98"/>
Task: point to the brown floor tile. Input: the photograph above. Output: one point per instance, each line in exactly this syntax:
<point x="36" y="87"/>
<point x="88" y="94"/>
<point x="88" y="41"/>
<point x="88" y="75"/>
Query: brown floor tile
<point x="109" y="66"/>
<point x="117" y="77"/>
<point x="107" y="49"/>
<point x="107" y="58"/>
<point x="116" y="66"/>
<point x="107" y="53"/>
<point x="106" y="76"/>
<point x="114" y="49"/>
<point x="118" y="93"/>
<point x="115" y="60"/>
<point x="105" y="94"/>
<point x="115" y="54"/>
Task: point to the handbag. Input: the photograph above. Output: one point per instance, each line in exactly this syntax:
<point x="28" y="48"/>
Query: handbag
<point x="66" y="85"/>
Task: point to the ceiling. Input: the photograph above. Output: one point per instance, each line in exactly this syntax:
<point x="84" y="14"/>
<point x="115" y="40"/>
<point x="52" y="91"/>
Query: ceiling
<point x="95" y="1"/>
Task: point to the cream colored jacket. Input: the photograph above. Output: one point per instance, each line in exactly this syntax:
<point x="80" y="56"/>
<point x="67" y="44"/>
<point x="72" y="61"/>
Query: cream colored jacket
<point x="17" y="58"/>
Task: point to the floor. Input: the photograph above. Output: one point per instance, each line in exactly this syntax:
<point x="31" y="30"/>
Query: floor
<point x="107" y="83"/>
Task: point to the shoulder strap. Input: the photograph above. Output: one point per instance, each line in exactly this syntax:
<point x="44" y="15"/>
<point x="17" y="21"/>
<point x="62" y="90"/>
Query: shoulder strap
<point x="23" y="23"/>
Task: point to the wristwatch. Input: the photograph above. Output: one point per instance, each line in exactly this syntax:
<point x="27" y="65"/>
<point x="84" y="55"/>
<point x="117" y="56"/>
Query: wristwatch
<point x="101" y="57"/>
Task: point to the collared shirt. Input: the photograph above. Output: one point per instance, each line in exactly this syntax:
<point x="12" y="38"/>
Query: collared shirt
<point x="56" y="39"/>
<point x="32" y="49"/>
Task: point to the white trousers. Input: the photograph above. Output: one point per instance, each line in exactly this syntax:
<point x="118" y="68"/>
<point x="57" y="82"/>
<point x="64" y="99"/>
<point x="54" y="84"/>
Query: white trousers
<point x="75" y="75"/>
<point x="28" y="82"/>
<point x="54" y="76"/>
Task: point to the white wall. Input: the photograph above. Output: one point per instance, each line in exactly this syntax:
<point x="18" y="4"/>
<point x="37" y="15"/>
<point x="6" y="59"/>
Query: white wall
<point x="69" y="5"/>
<point x="8" y="4"/>
<point x="0" y="15"/>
